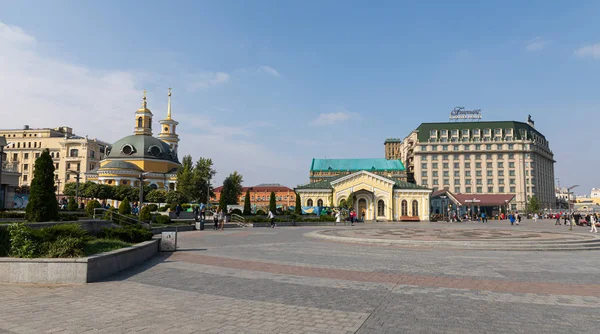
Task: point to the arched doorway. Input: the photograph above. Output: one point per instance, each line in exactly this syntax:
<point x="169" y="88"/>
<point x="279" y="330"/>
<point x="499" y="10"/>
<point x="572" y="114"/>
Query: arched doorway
<point x="404" y="209"/>
<point x="380" y="208"/>
<point x="309" y="202"/>
<point x="319" y="202"/>
<point x="415" y="208"/>
<point x="362" y="208"/>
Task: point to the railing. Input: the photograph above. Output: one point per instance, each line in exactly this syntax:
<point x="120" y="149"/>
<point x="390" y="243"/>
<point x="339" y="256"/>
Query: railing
<point x="237" y="219"/>
<point x="112" y="215"/>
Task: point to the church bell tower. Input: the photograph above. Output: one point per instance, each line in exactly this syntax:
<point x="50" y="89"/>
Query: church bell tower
<point x="168" y="128"/>
<point x="143" y="119"/>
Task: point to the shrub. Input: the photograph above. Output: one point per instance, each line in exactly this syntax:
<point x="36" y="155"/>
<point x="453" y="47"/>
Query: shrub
<point x="96" y="246"/>
<point x="152" y="207"/>
<point x="237" y="211"/>
<point x="260" y="212"/>
<point x="64" y="246"/>
<point x="133" y="234"/>
<point x="247" y="206"/>
<point x="89" y="208"/>
<point x="72" y="205"/>
<point x="53" y="233"/>
<point x="145" y="214"/>
<point x="163" y="208"/>
<point x="108" y="215"/>
<point x="11" y="215"/>
<point x="162" y="219"/>
<point x="64" y="217"/>
<point x="22" y="242"/>
<point x="124" y="207"/>
<point x="272" y="203"/>
<point x="42" y="205"/>
<point x="173" y="206"/>
<point x="4" y="241"/>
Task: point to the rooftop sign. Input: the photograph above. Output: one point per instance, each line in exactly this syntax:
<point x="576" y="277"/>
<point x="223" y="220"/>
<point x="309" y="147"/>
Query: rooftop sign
<point x="459" y="113"/>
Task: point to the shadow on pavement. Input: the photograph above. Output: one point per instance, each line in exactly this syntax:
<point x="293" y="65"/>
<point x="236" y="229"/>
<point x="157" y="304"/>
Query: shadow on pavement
<point x="129" y="272"/>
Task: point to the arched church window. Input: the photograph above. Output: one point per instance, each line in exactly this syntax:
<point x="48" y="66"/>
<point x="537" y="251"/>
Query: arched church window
<point x="380" y="208"/>
<point x="404" y="210"/>
<point x="139" y="125"/>
<point x="155" y="150"/>
<point x="319" y="202"/>
<point x="127" y="149"/>
<point x="415" y="208"/>
<point x="309" y="202"/>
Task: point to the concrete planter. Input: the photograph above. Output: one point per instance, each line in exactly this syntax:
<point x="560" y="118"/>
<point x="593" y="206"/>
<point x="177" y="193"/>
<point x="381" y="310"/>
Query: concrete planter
<point x="75" y="270"/>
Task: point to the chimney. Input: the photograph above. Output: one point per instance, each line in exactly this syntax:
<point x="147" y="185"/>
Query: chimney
<point x="26" y="127"/>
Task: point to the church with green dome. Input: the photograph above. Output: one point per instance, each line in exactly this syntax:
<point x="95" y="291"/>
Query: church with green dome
<point x="142" y="155"/>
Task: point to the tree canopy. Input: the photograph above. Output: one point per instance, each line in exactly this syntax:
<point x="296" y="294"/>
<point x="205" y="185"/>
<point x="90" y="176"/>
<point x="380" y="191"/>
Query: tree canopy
<point x="247" y="206"/>
<point x="232" y="190"/>
<point x="192" y="178"/>
<point x="42" y="205"/>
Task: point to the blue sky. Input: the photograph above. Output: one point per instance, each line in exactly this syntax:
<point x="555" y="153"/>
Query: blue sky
<point x="262" y="87"/>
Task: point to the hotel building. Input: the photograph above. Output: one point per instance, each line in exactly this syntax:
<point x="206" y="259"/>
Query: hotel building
<point x="498" y="157"/>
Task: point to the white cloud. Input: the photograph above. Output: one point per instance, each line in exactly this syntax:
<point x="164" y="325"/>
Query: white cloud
<point x="43" y="92"/>
<point x="536" y="44"/>
<point x="591" y="50"/>
<point x="207" y="80"/>
<point x="269" y="70"/>
<point x="334" y="117"/>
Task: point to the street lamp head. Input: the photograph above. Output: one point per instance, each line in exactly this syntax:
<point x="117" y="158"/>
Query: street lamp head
<point x="573" y="187"/>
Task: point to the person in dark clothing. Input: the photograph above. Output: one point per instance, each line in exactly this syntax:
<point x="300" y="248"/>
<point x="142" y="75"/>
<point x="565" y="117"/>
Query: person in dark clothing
<point x="177" y="210"/>
<point x="196" y="213"/>
<point x="216" y="220"/>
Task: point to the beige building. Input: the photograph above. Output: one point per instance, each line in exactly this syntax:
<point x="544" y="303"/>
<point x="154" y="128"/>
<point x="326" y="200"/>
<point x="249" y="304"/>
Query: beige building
<point x="69" y="153"/>
<point x="503" y="157"/>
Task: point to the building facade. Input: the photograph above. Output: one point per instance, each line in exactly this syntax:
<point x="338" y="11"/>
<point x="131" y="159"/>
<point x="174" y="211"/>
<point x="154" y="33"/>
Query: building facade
<point x="141" y="157"/>
<point x="260" y="195"/>
<point x="482" y="158"/>
<point x="377" y="188"/>
<point x="71" y="153"/>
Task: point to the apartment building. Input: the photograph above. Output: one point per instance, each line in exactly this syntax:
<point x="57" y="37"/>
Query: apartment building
<point x="260" y="195"/>
<point x="497" y="157"/>
<point x="69" y="153"/>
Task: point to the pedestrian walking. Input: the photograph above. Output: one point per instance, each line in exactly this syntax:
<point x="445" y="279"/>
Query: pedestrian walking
<point x="338" y="217"/>
<point x="535" y="217"/>
<point x="593" y="223"/>
<point x="216" y="220"/>
<point x="271" y="217"/>
<point x="222" y="219"/>
<point x="177" y="210"/>
<point x="196" y="213"/>
<point x="511" y="217"/>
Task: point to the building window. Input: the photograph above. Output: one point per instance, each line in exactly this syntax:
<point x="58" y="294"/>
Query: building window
<point x="500" y="189"/>
<point x="511" y="165"/>
<point x="477" y="147"/>
<point x="435" y="182"/>
<point x="467" y="165"/>
<point x="435" y="173"/>
<point x="456" y="173"/>
<point x="457" y="182"/>
<point x="445" y="157"/>
<point x="415" y="208"/>
<point x="424" y="182"/>
<point x="478" y="173"/>
<point x="500" y="164"/>
<point x="511" y="173"/>
<point x="488" y="147"/>
<point x="444" y="147"/>
<point x="455" y="133"/>
<point x="467" y="147"/>
<point x="468" y="181"/>
<point x="25" y="156"/>
<point x="513" y="190"/>
<point x="490" y="173"/>
<point x="490" y="189"/>
<point x="478" y="165"/>
<point x="467" y="173"/>
<point x="25" y="167"/>
<point x="511" y="155"/>
<point x="92" y="154"/>
<point x="309" y="202"/>
<point x="74" y="152"/>
<point x="511" y="146"/>
<point x="424" y="173"/>
<point x="467" y="156"/>
<point x="24" y="178"/>
<point x="468" y="190"/>
<point x="456" y="165"/>
<point x="380" y="208"/>
<point x="434" y="165"/>
<point x="490" y="181"/>
<point x="37" y="155"/>
<point x="500" y="173"/>
<point x="434" y="157"/>
<point x="488" y="165"/>
<point x="424" y="166"/>
<point x="479" y="190"/>
<point x="404" y="208"/>
<point x="434" y="147"/>
<point x="319" y="202"/>
<point x="445" y="165"/>
<point x="457" y="190"/>
<point x="465" y="132"/>
<point x="499" y="146"/>
<point x="478" y="182"/>
<point x="512" y="181"/>
<point x="444" y="133"/>
<point x="446" y="182"/>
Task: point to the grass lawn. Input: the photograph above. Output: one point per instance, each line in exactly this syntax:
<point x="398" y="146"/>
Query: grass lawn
<point x="96" y="246"/>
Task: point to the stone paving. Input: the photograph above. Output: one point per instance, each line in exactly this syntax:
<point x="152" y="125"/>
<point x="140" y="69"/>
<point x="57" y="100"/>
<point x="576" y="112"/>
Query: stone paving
<point x="278" y="280"/>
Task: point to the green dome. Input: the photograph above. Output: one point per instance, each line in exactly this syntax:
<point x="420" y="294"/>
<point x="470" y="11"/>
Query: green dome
<point x="141" y="146"/>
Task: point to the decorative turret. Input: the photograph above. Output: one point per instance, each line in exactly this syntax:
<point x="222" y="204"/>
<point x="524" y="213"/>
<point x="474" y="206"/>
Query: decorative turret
<point x="168" y="128"/>
<point x="143" y="119"/>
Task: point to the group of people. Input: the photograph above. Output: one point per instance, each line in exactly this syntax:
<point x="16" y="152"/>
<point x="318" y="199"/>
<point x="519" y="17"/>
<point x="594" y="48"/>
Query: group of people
<point x="579" y="219"/>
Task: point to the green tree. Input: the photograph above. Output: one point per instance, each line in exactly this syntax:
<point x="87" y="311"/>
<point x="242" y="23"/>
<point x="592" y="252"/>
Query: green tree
<point x="174" y="197"/>
<point x="350" y="201"/>
<point x="72" y="205"/>
<point x="232" y="190"/>
<point x="534" y="205"/>
<point x="69" y="189"/>
<point x="185" y="176"/>
<point x="157" y="196"/>
<point x="124" y="207"/>
<point x="202" y="170"/>
<point x="89" y="190"/>
<point x="145" y="214"/>
<point x="273" y="203"/>
<point x="42" y="205"/>
<point x="298" y="208"/>
<point x="247" y="207"/>
<point x="89" y="208"/>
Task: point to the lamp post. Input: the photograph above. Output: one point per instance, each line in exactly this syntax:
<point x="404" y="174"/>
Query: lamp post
<point x="77" y="177"/>
<point x="569" y="192"/>
<point x="443" y="197"/>
<point x="141" y="178"/>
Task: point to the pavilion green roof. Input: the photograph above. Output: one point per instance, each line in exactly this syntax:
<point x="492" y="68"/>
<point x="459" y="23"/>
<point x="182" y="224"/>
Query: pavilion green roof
<point x="353" y="165"/>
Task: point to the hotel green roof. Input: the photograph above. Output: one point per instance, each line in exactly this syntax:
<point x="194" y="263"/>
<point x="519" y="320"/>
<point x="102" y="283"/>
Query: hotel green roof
<point x="352" y="165"/>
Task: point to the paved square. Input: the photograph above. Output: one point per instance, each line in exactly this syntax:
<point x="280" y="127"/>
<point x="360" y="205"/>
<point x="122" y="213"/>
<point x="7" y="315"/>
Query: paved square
<point x="279" y="280"/>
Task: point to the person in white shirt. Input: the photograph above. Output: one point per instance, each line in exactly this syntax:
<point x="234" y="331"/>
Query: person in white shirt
<point x="535" y="217"/>
<point x="271" y="216"/>
<point x="593" y="223"/>
<point x="338" y="217"/>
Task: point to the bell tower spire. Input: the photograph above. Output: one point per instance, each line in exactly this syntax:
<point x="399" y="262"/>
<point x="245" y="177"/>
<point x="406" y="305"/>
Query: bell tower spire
<point x="168" y="128"/>
<point x="143" y="119"/>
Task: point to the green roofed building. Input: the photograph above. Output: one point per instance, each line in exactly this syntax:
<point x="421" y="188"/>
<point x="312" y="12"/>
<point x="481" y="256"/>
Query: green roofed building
<point x="483" y="157"/>
<point x="323" y="169"/>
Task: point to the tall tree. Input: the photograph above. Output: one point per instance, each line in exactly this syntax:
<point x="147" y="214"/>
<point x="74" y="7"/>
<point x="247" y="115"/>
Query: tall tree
<point x="185" y="177"/>
<point x="232" y="190"/>
<point x="202" y="171"/>
<point x="247" y="207"/>
<point x="273" y="203"/>
<point x="298" y="208"/>
<point x="534" y="205"/>
<point x="42" y="205"/>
